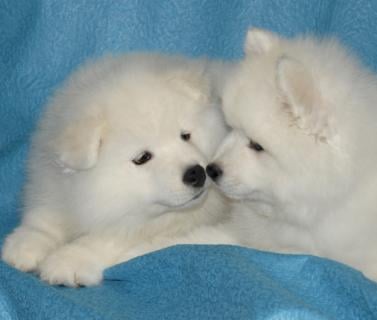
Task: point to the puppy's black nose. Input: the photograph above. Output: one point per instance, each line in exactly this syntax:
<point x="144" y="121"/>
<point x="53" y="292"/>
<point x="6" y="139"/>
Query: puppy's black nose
<point x="195" y="176"/>
<point x="214" y="171"/>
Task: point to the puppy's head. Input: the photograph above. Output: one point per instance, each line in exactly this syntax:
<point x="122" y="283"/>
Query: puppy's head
<point x="142" y="143"/>
<point x="290" y="141"/>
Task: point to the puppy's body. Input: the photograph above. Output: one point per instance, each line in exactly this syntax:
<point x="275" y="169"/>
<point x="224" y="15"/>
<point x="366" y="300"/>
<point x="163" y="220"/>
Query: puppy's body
<point x="301" y="157"/>
<point x="117" y="160"/>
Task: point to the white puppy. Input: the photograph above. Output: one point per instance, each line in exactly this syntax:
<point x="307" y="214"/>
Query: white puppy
<point x="118" y="160"/>
<point x="301" y="156"/>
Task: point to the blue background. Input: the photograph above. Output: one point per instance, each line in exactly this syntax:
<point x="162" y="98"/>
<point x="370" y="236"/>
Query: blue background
<point x="41" y="42"/>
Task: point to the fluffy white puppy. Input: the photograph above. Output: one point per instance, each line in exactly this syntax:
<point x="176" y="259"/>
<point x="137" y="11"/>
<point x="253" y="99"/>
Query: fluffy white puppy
<point x="117" y="160"/>
<point x="301" y="159"/>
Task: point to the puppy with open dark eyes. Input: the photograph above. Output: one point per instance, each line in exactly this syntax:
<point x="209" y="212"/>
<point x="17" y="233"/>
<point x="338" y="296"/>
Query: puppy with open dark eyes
<point x="118" y="160"/>
<point x="300" y="160"/>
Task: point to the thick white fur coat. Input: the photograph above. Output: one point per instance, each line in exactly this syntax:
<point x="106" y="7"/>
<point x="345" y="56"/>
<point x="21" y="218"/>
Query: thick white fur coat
<point x="311" y="107"/>
<point x="87" y="203"/>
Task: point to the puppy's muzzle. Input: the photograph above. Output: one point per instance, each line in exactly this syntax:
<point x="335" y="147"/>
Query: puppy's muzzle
<point x="194" y="176"/>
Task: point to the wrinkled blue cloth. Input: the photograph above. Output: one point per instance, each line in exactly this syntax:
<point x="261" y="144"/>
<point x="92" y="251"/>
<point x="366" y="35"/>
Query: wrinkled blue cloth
<point x="200" y="282"/>
<point x="41" y="42"/>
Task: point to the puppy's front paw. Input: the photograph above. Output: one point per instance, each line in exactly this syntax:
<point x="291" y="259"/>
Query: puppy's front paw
<point x="26" y="247"/>
<point x="72" y="266"/>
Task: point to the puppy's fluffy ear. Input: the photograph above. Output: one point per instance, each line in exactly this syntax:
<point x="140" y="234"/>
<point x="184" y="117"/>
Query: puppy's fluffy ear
<point x="259" y="41"/>
<point x="301" y="97"/>
<point x="219" y="72"/>
<point x="194" y="84"/>
<point x="77" y="147"/>
<point x="192" y="89"/>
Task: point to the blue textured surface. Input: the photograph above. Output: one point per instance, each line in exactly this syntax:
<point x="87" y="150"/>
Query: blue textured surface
<point x="42" y="41"/>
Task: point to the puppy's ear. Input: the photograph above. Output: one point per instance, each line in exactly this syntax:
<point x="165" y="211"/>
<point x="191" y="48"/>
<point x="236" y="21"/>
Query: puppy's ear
<point x="193" y="84"/>
<point x="77" y="146"/>
<point x="259" y="41"/>
<point x="301" y="97"/>
<point x="219" y="72"/>
<point x="195" y="89"/>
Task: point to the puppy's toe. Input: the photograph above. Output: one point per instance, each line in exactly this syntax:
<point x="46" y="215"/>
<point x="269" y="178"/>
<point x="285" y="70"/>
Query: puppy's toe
<point x="71" y="267"/>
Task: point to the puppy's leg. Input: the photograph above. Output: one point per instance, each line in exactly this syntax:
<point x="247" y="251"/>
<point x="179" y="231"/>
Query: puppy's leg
<point x="371" y="272"/>
<point x="41" y="231"/>
<point x="366" y="264"/>
<point x="220" y="234"/>
<point x="82" y="262"/>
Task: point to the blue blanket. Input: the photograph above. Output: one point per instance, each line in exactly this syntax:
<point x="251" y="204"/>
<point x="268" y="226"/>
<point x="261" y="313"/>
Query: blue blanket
<point x="42" y="41"/>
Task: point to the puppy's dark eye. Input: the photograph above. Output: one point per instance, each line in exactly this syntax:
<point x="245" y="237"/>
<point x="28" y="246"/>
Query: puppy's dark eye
<point x="185" y="136"/>
<point x="142" y="158"/>
<point x="255" y="146"/>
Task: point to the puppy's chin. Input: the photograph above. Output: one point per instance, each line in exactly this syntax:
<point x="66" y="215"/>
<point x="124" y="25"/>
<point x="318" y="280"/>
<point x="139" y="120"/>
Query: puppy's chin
<point x="235" y="191"/>
<point x="253" y="196"/>
<point x="187" y="202"/>
<point x="235" y="196"/>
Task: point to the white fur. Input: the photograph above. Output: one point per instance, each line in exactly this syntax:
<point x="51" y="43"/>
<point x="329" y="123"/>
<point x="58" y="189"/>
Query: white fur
<point x="86" y="203"/>
<point x="313" y="108"/>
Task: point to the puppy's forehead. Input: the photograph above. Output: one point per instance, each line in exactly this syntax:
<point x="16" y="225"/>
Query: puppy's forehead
<point x="153" y="112"/>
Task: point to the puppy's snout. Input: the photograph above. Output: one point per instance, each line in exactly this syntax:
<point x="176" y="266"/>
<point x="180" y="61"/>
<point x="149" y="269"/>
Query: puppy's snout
<point x="195" y="176"/>
<point x="214" y="171"/>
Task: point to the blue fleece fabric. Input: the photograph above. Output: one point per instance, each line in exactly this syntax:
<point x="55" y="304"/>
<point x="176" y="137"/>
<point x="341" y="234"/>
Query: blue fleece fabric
<point x="41" y="42"/>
